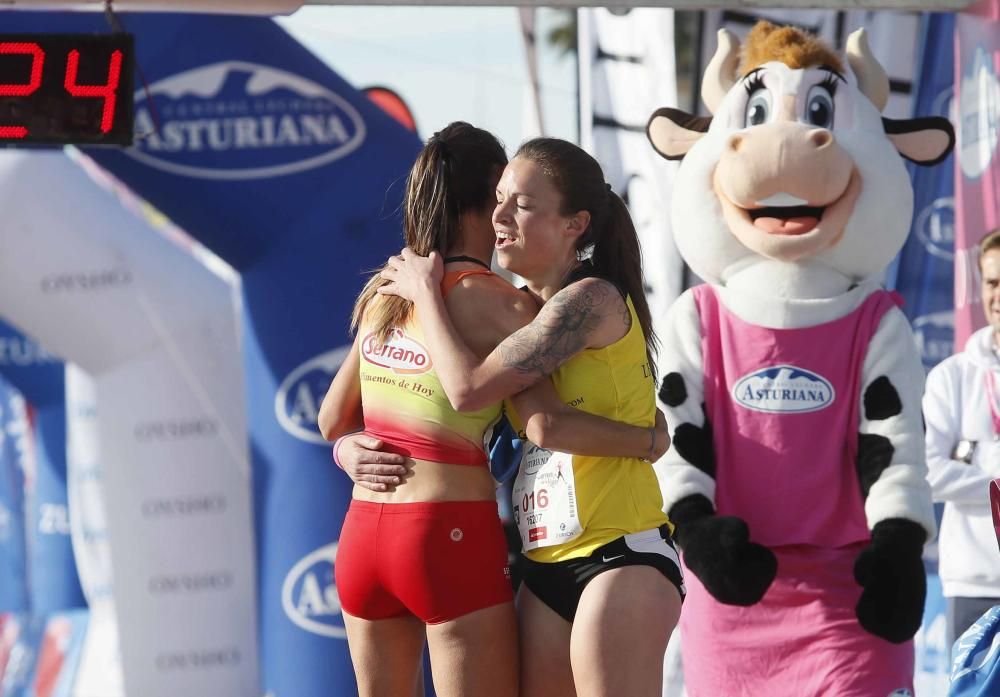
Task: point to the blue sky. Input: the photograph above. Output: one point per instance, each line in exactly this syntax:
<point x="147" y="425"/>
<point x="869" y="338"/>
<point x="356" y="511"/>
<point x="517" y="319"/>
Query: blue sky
<point x="448" y="63"/>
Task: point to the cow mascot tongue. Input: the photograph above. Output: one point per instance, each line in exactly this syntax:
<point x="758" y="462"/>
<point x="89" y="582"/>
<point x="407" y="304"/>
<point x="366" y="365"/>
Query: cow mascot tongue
<point x="796" y="477"/>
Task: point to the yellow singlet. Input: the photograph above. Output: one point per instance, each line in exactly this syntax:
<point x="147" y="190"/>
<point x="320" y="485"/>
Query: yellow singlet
<point x="616" y="495"/>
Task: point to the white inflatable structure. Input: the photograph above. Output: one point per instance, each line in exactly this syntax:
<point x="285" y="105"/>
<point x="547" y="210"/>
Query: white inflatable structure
<point x="156" y="331"/>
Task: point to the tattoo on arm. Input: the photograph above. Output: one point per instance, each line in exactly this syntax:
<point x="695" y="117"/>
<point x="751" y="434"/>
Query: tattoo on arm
<point x="562" y="329"/>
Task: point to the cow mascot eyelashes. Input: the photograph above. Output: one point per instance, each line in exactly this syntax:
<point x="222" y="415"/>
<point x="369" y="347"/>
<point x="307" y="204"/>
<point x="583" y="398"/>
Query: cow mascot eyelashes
<point x="796" y="477"/>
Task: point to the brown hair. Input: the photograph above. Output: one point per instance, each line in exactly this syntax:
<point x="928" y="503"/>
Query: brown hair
<point x="792" y="46"/>
<point x="616" y="254"/>
<point x="989" y="242"/>
<point x="454" y="173"/>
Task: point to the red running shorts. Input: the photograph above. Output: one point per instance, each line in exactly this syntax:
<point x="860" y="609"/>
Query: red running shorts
<point x="435" y="560"/>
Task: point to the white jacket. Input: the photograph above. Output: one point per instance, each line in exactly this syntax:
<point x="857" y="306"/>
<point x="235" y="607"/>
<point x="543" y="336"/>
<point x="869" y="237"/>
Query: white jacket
<point x="956" y="408"/>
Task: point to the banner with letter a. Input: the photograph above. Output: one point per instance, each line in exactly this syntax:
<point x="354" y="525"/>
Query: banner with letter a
<point x="257" y="149"/>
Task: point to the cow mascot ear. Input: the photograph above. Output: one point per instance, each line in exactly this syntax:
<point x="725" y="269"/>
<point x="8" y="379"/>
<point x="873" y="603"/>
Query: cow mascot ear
<point x="674" y="132"/>
<point x="926" y="141"/>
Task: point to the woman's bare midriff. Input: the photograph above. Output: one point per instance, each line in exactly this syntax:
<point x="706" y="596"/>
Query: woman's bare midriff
<point x="436" y="481"/>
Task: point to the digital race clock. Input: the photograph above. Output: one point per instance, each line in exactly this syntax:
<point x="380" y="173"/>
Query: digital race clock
<point x="66" y="88"/>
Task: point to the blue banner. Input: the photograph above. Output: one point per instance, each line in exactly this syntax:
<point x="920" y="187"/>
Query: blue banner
<point x="925" y="267"/>
<point x="13" y="559"/>
<point x="257" y="149"/>
<point x="40" y="378"/>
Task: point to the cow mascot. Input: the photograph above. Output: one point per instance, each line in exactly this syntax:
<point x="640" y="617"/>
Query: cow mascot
<point x="796" y="477"/>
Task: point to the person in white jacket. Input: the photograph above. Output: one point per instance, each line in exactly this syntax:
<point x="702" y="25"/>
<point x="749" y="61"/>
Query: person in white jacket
<point x="962" y="414"/>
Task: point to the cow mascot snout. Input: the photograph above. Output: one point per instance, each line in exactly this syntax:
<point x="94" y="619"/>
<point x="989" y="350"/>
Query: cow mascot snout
<point x="796" y="476"/>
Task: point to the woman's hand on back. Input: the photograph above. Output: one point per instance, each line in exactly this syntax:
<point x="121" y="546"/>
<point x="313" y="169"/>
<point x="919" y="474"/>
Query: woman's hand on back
<point x="368" y="466"/>
<point x="410" y="275"/>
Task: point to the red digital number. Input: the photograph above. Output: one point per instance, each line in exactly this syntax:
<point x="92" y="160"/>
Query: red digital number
<point x="13" y="132"/>
<point x="21" y="90"/>
<point x="108" y="91"/>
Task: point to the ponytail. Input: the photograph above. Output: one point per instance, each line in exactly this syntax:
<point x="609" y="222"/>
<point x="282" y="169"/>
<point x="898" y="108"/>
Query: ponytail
<point x="617" y="256"/>
<point x="429" y="223"/>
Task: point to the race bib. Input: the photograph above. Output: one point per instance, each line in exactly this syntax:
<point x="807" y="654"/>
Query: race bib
<point x="544" y="498"/>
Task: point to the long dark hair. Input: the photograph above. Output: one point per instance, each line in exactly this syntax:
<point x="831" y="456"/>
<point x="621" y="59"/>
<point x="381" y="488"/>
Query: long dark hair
<point x="611" y="237"/>
<point x="454" y="173"/>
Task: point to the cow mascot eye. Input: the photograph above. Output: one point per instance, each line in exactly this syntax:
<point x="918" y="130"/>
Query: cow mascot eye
<point x="819" y="107"/>
<point x="758" y="109"/>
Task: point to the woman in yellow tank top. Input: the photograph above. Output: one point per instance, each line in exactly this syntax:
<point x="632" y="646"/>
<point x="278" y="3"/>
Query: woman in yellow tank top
<point x="603" y="586"/>
<point x="422" y="550"/>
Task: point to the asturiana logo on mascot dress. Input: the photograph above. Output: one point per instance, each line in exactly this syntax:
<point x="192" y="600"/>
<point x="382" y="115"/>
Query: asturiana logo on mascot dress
<point x="239" y="120"/>
<point x="784" y="389"/>
<point x="309" y="595"/>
